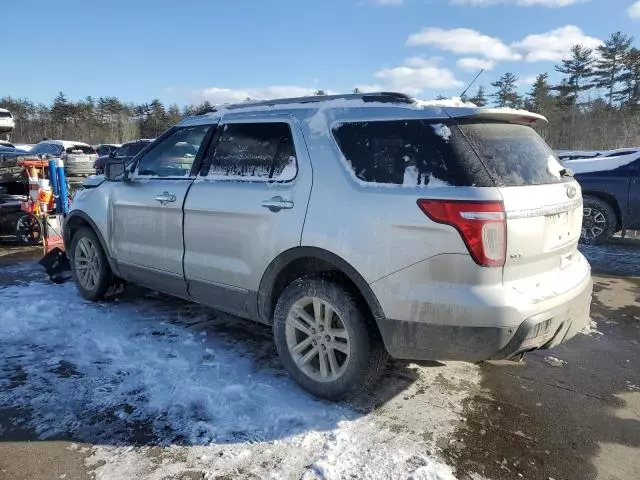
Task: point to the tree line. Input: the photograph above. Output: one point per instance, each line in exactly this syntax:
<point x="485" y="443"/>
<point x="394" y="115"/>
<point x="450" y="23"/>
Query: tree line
<point x="595" y="105"/>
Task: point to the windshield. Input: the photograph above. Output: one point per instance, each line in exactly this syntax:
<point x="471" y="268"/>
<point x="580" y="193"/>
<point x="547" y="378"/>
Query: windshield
<point x="513" y="154"/>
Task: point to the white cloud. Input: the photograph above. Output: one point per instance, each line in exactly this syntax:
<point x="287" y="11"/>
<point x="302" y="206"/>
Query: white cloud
<point x="218" y="95"/>
<point x="418" y="74"/>
<point x="634" y="10"/>
<point x="522" y="3"/>
<point x="475" y="64"/>
<point x="553" y="46"/>
<point x="464" y="40"/>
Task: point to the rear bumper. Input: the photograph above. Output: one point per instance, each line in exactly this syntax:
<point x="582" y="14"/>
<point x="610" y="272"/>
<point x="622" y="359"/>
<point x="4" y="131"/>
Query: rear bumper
<point x="471" y="337"/>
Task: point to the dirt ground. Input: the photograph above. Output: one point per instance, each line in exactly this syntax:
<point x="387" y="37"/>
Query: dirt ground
<point x="568" y="413"/>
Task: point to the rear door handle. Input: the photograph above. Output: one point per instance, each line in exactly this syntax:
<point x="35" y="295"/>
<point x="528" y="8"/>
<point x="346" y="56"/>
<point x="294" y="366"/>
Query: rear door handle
<point x="166" y="197"/>
<point x="277" y="203"/>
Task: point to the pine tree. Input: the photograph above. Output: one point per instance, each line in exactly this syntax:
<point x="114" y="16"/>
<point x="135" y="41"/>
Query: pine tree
<point x="539" y="98"/>
<point x="507" y="93"/>
<point x="631" y="78"/>
<point x="610" y="67"/>
<point x="356" y="90"/>
<point x="480" y="98"/>
<point x="578" y="68"/>
<point x="320" y="93"/>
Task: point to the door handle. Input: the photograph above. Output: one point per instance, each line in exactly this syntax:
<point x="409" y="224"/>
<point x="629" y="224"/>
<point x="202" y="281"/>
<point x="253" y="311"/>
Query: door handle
<point x="277" y="203"/>
<point x="166" y="197"/>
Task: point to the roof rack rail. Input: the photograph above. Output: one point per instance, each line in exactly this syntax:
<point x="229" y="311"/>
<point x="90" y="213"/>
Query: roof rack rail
<point x="384" y="97"/>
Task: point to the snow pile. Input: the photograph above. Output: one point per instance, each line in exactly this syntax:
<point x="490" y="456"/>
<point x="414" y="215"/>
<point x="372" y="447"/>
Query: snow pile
<point x="133" y="372"/>
<point x="554" y="362"/>
<point x="591" y="328"/>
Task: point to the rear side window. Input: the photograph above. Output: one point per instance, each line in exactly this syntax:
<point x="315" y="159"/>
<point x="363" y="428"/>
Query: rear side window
<point x="514" y="155"/>
<point x="254" y="151"/>
<point x="412" y="153"/>
<point x="80" y="150"/>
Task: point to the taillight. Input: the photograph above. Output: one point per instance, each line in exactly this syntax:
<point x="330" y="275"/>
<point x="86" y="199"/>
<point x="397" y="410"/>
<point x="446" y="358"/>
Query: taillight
<point x="482" y="226"/>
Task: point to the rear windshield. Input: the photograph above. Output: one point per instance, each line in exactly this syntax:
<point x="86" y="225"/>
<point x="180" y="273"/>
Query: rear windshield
<point x="420" y="153"/>
<point x="513" y="154"/>
<point x="80" y="150"/>
<point x="5" y="115"/>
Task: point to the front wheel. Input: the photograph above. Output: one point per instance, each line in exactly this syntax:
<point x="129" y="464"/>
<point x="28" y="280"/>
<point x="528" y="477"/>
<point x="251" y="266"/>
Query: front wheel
<point x="324" y="341"/>
<point x="89" y="266"/>
<point x="598" y="221"/>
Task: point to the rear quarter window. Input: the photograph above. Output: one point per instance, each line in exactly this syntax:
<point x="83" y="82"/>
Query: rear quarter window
<point x="411" y="153"/>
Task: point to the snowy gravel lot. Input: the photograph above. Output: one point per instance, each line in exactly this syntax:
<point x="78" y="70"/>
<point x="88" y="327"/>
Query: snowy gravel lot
<point x="161" y="389"/>
<point x="145" y="386"/>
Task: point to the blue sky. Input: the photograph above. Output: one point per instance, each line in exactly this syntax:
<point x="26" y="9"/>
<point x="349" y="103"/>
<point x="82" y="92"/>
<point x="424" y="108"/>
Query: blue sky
<point x="224" y="50"/>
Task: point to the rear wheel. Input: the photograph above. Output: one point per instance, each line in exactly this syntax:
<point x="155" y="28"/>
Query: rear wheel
<point x="89" y="266"/>
<point x="598" y="221"/>
<point x="324" y="341"/>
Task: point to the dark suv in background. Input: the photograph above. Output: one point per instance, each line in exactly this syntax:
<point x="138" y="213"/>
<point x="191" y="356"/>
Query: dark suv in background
<point x="126" y="152"/>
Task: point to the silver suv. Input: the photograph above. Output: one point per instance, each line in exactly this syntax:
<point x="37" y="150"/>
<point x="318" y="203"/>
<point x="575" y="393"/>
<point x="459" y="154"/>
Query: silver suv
<point x="358" y="226"/>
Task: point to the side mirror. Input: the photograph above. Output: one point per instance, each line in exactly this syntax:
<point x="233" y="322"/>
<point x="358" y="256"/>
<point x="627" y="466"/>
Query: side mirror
<point x="116" y="171"/>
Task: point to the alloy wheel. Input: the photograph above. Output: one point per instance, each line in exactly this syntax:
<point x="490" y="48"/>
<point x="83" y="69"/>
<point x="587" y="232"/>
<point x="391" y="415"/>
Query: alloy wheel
<point x="317" y="339"/>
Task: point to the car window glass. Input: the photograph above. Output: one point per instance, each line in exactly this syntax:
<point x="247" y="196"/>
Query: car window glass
<point x="173" y="156"/>
<point x="80" y="150"/>
<point x="254" y="151"/>
<point x="412" y="153"/>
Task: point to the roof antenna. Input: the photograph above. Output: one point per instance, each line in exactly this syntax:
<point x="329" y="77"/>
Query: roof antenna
<point x="472" y="82"/>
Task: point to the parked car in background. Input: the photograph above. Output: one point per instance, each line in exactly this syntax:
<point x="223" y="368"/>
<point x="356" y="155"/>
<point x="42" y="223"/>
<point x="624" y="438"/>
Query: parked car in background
<point x="78" y="157"/>
<point x="10" y="171"/>
<point x="610" y="184"/>
<point x="7" y="124"/>
<point x="106" y="148"/>
<point x="24" y="146"/>
<point x="6" y="143"/>
<point x="431" y="232"/>
<point x="126" y="152"/>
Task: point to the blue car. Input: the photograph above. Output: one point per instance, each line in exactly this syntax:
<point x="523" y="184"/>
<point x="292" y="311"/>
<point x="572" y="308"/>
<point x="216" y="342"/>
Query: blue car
<point x="610" y="185"/>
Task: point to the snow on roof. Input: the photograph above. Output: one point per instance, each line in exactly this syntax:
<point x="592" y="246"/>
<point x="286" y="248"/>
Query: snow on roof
<point x="453" y="107"/>
<point x="602" y="163"/>
<point x="66" y="143"/>
<point x="3" y="110"/>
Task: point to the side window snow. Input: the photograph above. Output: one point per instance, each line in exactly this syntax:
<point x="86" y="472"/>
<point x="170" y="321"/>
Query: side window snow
<point x="254" y="151"/>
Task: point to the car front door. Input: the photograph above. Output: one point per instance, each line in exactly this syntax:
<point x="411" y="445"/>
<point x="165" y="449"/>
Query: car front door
<point x="247" y="206"/>
<point x="145" y="212"/>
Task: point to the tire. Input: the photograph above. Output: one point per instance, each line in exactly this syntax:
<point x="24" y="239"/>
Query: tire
<point x="366" y="354"/>
<point x="599" y="221"/>
<point x="29" y="229"/>
<point x="80" y="254"/>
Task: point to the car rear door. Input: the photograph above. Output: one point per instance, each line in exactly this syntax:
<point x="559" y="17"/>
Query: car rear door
<point x="145" y="213"/>
<point x="247" y="206"/>
<point x="543" y="209"/>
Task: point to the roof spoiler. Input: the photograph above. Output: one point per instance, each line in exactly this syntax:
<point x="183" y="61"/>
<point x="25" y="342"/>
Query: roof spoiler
<point x="522" y="117"/>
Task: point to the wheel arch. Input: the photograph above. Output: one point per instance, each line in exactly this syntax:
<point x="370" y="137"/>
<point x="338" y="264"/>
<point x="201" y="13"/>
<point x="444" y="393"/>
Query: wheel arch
<point x="300" y="261"/>
<point x="76" y="220"/>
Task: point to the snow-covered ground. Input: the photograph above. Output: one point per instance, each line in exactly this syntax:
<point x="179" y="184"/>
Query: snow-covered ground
<point x="160" y="388"/>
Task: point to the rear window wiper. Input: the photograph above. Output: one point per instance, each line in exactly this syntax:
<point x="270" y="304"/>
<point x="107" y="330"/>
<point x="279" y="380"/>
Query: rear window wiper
<point x="566" y="172"/>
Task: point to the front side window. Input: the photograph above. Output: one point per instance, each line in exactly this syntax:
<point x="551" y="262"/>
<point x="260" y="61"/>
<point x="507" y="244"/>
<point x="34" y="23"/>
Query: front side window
<point x="175" y="154"/>
<point x="254" y="151"/>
